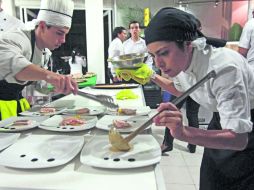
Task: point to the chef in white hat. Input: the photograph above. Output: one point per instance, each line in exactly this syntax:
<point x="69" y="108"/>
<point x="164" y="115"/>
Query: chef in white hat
<point x="22" y="55"/>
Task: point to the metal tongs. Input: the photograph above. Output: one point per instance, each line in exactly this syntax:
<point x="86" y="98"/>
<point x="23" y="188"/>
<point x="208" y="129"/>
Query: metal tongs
<point x="120" y="143"/>
<point x="103" y="99"/>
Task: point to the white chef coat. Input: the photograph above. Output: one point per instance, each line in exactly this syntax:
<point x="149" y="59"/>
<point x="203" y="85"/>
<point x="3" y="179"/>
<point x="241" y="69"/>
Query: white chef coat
<point x="15" y="54"/>
<point x="129" y="46"/>
<point x="8" y="22"/>
<point x="115" y="49"/>
<point x="77" y="66"/>
<point x="247" y="40"/>
<point x="231" y="93"/>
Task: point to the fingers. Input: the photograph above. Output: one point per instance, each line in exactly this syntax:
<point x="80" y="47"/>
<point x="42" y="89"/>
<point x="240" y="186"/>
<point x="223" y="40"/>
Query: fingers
<point x="63" y="84"/>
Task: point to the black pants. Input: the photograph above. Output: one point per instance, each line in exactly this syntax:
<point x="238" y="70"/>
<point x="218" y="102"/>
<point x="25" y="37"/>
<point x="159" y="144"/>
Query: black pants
<point x="192" y="109"/>
<point x="227" y="169"/>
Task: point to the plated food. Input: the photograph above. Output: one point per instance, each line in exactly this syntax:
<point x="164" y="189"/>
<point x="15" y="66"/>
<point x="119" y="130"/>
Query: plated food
<point x="121" y="124"/>
<point x="73" y="121"/>
<point x="22" y="122"/>
<point x="126" y="111"/>
<point x="64" y="123"/>
<point x="47" y="110"/>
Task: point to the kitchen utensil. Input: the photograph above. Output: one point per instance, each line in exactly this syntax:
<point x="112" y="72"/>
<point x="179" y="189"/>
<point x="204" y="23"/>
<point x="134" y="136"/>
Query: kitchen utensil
<point x="122" y="144"/>
<point x="128" y="61"/>
<point x="103" y="99"/>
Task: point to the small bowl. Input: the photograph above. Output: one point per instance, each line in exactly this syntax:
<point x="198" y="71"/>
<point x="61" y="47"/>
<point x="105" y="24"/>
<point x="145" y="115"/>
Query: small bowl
<point x="128" y="61"/>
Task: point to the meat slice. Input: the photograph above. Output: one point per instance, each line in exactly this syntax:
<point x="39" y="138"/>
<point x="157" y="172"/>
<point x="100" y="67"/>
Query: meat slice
<point x="73" y="121"/>
<point x="120" y="124"/>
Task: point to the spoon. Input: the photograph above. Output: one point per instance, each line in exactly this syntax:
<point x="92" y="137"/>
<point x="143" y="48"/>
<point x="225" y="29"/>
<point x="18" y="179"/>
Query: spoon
<point x="120" y="143"/>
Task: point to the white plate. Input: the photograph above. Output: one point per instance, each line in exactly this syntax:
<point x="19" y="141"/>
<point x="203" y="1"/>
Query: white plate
<point x="69" y="104"/>
<point x="42" y="151"/>
<point x="146" y="151"/>
<point x="35" y="111"/>
<point x="7" y="139"/>
<point x="53" y="124"/>
<point x="95" y="110"/>
<point x="6" y="125"/>
<point x="106" y="122"/>
<point x="139" y="110"/>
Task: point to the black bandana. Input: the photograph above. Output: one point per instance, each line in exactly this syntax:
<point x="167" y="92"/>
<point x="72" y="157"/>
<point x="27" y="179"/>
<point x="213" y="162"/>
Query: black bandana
<point x="171" y="24"/>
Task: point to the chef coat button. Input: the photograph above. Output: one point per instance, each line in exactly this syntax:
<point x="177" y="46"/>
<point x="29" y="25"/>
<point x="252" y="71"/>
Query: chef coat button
<point x="5" y="19"/>
<point x="2" y="29"/>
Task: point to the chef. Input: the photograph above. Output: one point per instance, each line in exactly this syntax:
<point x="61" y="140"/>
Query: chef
<point x="22" y="53"/>
<point x="8" y="22"/>
<point x="181" y="52"/>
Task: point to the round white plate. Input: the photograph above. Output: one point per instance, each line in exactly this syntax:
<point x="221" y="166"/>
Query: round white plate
<point x="35" y="111"/>
<point x="146" y="151"/>
<point x="41" y="151"/>
<point x="95" y="110"/>
<point x="105" y="123"/>
<point x="139" y="110"/>
<point x="7" y="139"/>
<point x="6" y="125"/>
<point x="53" y="124"/>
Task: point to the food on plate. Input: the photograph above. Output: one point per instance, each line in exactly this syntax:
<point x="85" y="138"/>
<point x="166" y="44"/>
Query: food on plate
<point x="22" y="122"/>
<point x="120" y="124"/>
<point x="47" y="110"/>
<point x="89" y="74"/>
<point x="73" y="121"/>
<point x="82" y="111"/>
<point x="125" y="111"/>
<point x="117" y="141"/>
<point x="78" y="77"/>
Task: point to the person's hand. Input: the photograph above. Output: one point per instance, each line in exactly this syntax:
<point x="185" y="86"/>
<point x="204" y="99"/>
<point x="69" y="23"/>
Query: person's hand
<point x="63" y="84"/>
<point x="170" y="117"/>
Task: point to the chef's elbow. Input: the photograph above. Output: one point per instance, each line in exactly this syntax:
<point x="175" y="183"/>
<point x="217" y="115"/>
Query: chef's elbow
<point x="241" y="141"/>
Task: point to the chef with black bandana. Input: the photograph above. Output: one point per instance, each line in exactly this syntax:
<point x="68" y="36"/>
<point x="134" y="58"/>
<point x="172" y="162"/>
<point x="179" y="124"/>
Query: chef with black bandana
<point x="21" y="56"/>
<point x="183" y="53"/>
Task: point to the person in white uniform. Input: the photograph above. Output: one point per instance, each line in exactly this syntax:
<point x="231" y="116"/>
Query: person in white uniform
<point x="21" y="56"/>
<point x="246" y="42"/>
<point x="77" y="62"/>
<point x="115" y="49"/>
<point x="136" y="44"/>
<point x="8" y="22"/>
<point x="181" y="52"/>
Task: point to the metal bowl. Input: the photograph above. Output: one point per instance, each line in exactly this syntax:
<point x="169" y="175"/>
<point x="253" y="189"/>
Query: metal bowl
<point x="128" y="61"/>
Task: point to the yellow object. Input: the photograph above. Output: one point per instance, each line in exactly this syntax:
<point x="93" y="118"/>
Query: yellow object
<point x="141" y="75"/>
<point x="146" y="16"/>
<point x="8" y="108"/>
<point x="125" y="94"/>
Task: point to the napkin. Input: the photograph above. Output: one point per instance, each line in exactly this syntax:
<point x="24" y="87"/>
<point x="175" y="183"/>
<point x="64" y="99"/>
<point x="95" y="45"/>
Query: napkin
<point x="141" y="75"/>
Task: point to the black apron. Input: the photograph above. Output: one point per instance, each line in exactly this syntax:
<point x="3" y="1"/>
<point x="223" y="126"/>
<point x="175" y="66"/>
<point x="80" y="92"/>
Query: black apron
<point x="13" y="91"/>
<point x="228" y="169"/>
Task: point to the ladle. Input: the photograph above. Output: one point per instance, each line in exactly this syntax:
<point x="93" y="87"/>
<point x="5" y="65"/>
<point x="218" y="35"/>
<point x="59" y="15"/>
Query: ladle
<point x="122" y="144"/>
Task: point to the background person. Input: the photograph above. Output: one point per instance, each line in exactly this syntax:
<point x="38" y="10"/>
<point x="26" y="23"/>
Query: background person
<point x="181" y="52"/>
<point x="77" y="62"/>
<point x="8" y="22"/>
<point x="115" y="49"/>
<point x="22" y="56"/>
<point x="246" y="42"/>
<point x="136" y="44"/>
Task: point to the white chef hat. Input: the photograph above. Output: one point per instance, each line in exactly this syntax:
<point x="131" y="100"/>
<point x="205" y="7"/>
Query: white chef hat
<point x="56" y="12"/>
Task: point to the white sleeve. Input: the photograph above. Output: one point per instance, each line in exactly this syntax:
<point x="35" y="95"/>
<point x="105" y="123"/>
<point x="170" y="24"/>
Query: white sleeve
<point x="245" y="39"/>
<point x="233" y="104"/>
<point x="15" y="52"/>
